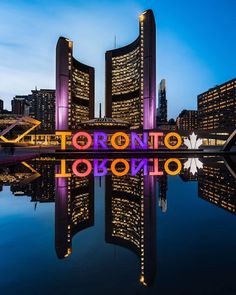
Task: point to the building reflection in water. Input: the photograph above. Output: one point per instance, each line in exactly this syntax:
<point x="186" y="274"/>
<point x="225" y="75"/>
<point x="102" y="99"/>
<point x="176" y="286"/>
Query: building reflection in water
<point x="162" y="192"/>
<point x="35" y="180"/>
<point x="217" y="186"/>
<point x="131" y="218"/>
<point x="130" y="215"/>
<point x="74" y="210"/>
<point x="187" y="176"/>
<point x="130" y="203"/>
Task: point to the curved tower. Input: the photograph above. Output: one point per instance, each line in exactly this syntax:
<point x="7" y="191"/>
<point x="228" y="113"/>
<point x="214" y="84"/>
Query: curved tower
<point x="74" y="210"/>
<point x="74" y="88"/>
<point x="131" y="78"/>
<point x="131" y="219"/>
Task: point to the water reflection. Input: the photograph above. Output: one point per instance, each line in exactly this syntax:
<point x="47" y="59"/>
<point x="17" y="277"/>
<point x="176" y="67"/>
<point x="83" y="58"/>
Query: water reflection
<point x="130" y="215"/>
<point x="162" y="192"/>
<point x="130" y="202"/>
<point x="217" y="186"/>
<point x="34" y="179"/>
<point x="74" y="210"/>
<point x="131" y="219"/>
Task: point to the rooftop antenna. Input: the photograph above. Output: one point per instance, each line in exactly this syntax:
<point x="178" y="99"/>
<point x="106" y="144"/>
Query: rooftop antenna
<point x="100" y="110"/>
<point x="115" y="42"/>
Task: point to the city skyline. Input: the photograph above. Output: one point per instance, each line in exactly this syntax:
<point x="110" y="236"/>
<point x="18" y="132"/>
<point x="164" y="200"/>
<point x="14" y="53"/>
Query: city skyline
<point x="187" y="55"/>
<point x="117" y="147"/>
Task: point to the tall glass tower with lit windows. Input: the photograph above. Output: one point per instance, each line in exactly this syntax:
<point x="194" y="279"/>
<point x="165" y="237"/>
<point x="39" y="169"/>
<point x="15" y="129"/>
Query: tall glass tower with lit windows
<point x="74" y="88"/>
<point x="131" y="219"/>
<point x="131" y="78"/>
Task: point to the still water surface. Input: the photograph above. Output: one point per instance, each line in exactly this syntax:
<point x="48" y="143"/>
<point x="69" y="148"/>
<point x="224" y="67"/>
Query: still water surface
<point x="117" y="235"/>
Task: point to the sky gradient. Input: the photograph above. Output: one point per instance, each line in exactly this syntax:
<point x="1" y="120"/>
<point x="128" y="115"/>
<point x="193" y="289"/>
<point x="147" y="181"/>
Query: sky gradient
<point x="196" y="43"/>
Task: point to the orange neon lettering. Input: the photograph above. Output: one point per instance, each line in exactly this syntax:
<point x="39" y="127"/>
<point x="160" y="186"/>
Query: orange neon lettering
<point x="63" y="170"/>
<point x="119" y="173"/>
<point x="115" y="145"/>
<point x="63" y="135"/>
<point x="167" y="139"/>
<point x="171" y="172"/>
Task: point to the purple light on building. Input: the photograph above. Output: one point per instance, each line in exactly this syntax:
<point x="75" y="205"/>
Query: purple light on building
<point x="149" y="220"/>
<point x="63" y="51"/>
<point x="61" y="215"/>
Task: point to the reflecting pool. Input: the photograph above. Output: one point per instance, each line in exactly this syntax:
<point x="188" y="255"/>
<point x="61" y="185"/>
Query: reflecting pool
<point x="146" y="232"/>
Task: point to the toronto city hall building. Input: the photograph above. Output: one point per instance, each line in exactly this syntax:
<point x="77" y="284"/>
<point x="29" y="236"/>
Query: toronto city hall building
<point x="130" y="87"/>
<point x="128" y="198"/>
<point x="131" y="78"/>
<point x="74" y="88"/>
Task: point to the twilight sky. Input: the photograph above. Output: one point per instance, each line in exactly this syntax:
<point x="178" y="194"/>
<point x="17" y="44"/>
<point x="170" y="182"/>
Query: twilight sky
<point x="196" y="42"/>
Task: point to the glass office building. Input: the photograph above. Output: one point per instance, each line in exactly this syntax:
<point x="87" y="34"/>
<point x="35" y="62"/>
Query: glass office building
<point x="217" y="109"/>
<point x="131" y="218"/>
<point x="131" y="78"/>
<point x="74" y="88"/>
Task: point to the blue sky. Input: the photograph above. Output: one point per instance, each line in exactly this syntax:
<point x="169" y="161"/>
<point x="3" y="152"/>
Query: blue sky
<point x="196" y="42"/>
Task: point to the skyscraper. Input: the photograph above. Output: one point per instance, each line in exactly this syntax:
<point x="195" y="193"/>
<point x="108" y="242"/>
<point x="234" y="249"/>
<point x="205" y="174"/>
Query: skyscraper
<point x="162" y="103"/>
<point x="162" y="192"/>
<point x="74" y="210"/>
<point x="131" y="219"/>
<point x="43" y="108"/>
<point x="217" y="108"/>
<point x="74" y="88"/>
<point x="131" y="78"/>
<point x="20" y="105"/>
<point x="1" y="106"/>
